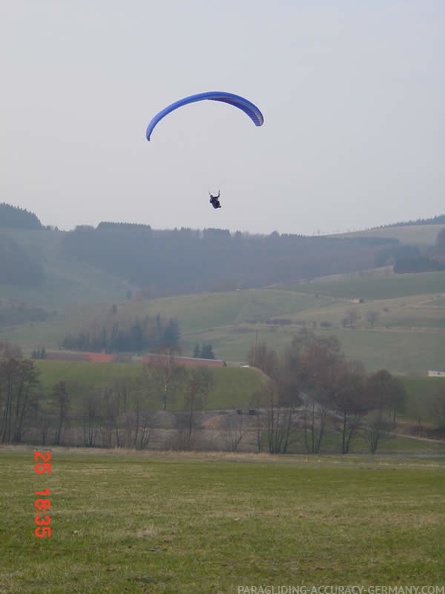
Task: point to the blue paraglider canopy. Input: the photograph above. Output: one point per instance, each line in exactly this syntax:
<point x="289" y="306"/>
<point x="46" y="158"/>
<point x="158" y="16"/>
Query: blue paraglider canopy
<point x="240" y="102"/>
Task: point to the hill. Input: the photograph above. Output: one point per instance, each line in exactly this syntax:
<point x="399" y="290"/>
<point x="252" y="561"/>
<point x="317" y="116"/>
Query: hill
<point x="395" y="322"/>
<point x="63" y="280"/>
<point x="45" y="267"/>
<point x="54" y="283"/>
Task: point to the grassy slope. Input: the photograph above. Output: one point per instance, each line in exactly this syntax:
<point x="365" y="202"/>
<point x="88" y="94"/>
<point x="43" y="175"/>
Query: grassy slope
<point x="168" y="524"/>
<point x="67" y="280"/>
<point x="410" y="234"/>
<point x="408" y="336"/>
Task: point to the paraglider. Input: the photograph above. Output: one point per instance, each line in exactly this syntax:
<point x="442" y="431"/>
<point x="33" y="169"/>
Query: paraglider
<point x="236" y="100"/>
<point x="214" y="200"/>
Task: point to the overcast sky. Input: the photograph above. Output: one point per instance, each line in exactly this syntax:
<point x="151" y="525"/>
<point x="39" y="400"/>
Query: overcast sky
<point x="352" y="92"/>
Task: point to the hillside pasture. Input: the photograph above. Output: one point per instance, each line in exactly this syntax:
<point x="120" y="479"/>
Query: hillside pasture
<point x="163" y="524"/>
<point x="421" y="235"/>
<point x="374" y="288"/>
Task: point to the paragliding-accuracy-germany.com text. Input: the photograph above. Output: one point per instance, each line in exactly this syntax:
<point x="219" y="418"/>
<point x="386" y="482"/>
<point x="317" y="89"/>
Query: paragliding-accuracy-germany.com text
<point x="269" y="589"/>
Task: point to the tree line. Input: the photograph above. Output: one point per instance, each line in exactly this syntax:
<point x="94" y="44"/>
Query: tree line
<point x="14" y="217"/>
<point x="311" y="391"/>
<point x="214" y="259"/>
<point x="148" y="334"/>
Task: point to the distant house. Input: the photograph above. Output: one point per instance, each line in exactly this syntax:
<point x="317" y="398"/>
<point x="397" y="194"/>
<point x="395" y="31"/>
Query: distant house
<point x="155" y="358"/>
<point x="436" y="373"/>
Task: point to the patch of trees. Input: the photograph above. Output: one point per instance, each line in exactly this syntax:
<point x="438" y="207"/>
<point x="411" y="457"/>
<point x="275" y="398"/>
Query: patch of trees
<point x="148" y="334"/>
<point x="313" y="392"/>
<point x="417" y="264"/>
<point x="12" y="314"/>
<point x="203" y="351"/>
<point x="107" y="226"/>
<point x="314" y="388"/>
<point x="437" y="220"/>
<point x="18" y="266"/>
<point x="438" y="250"/>
<point x="14" y="217"/>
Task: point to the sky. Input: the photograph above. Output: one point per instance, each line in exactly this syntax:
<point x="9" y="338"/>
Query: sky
<point x="352" y="93"/>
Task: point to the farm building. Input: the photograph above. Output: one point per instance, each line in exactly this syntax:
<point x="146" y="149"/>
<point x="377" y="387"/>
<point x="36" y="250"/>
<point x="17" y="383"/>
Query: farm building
<point x="145" y="359"/>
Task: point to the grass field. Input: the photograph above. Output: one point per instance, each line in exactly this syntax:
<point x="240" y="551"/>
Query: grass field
<point x="189" y="524"/>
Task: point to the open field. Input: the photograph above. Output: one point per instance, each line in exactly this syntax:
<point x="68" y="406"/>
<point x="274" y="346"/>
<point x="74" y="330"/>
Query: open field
<point x="168" y="524"/>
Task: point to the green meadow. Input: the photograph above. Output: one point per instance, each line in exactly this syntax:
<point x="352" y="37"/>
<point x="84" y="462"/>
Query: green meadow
<point x="169" y="523"/>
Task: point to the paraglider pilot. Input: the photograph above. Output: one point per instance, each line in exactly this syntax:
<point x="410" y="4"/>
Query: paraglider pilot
<point x="214" y="200"/>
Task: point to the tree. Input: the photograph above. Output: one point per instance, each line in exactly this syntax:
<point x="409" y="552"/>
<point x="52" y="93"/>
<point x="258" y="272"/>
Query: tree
<point x="350" y="400"/>
<point x="372" y="318"/>
<point x="264" y="358"/>
<point x="166" y="377"/>
<point x="207" y="351"/>
<point x="234" y="431"/>
<point x="350" y="319"/>
<point x="438" y="410"/>
<point x="385" y="393"/>
<point x="61" y="402"/>
<point x="91" y="414"/>
<point x="319" y="361"/>
<point x="376" y="426"/>
<point x="18" y="396"/>
<point x="199" y="383"/>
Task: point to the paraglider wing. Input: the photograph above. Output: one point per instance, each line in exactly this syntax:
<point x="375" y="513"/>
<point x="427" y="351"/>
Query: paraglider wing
<point x="240" y="102"/>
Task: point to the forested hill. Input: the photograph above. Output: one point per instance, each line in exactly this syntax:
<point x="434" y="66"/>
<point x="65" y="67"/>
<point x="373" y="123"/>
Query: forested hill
<point x="115" y="259"/>
<point x="437" y="220"/>
<point x="13" y="217"/>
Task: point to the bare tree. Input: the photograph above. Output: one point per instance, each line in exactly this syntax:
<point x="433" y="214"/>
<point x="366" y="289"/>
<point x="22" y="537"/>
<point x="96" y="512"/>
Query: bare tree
<point x="350" y="319"/>
<point x="350" y="400"/>
<point x="91" y="417"/>
<point x="167" y="377"/>
<point x="277" y="419"/>
<point x="386" y="393"/>
<point x="264" y="358"/>
<point x="315" y="417"/>
<point x="319" y="363"/>
<point x="61" y="404"/>
<point x="234" y="432"/>
<point x="376" y="426"/>
<point x="372" y="318"/>
<point x="199" y="383"/>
